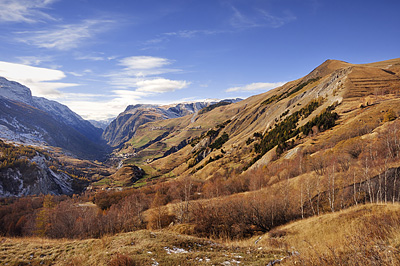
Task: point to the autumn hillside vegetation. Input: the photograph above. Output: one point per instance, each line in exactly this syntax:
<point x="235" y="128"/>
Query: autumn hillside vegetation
<point x="308" y="174"/>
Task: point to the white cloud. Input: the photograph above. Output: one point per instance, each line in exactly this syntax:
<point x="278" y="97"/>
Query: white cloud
<point x="256" y="86"/>
<point x="142" y="74"/>
<point x="75" y="74"/>
<point x="28" y="11"/>
<point x="94" y="57"/>
<point x="148" y="85"/>
<point x="64" y="37"/>
<point x="39" y="80"/>
<point x="144" y="62"/>
<point x="138" y="78"/>
<point x="91" y="58"/>
<point x="91" y="107"/>
<point x="95" y="110"/>
<point x="161" y="85"/>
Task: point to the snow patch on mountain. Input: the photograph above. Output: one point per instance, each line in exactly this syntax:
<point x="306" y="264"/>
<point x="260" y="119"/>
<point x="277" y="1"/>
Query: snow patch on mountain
<point x="14" y="91"/>
<point x="16" y="132"/>
<point x="57" y="110"/>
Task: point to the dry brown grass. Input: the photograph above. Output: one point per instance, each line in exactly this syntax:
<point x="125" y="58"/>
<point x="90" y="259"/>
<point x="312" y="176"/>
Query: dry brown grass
<point x="361" y="235"/>
<point x="135" y="248"/>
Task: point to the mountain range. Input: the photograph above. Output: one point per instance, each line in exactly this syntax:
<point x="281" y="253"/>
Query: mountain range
<point x="273" y="171"/>
<point x="210" y="138"/>
<point x="34" y="120"/>
<point x="124" y="127"/>
<point x="37" y="121"/>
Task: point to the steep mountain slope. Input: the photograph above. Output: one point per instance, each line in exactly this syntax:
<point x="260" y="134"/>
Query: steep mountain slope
<point x="34" y="120"/>
<point x="14" y="91"/>
<point x="63" y="114"/>
<point x="28" y="171"/>
<point x="26" y="124"/>
<point x="263" y="127"/>
<point x="125" y="125"/>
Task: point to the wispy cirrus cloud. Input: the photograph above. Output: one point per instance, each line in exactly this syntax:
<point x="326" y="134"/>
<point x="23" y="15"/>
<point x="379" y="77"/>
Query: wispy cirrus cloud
<point x="258" y="18"/>
<point x="28" y="11"/>
<point x="34" y="60"/>
<point x="238" y="20"/>
<point x="65" y="37"/>
<point x="256" y="86"/>
<point x="276" y="21"/>
<point x="42" y="81"/>
<point x="94" y="57"/>
<point x="193" y="33"/>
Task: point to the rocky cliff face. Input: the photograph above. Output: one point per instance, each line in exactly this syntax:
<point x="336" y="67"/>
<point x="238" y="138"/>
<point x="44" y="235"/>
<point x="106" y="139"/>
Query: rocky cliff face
<point x="32" y="171"/>
<point x="35" y="180"/>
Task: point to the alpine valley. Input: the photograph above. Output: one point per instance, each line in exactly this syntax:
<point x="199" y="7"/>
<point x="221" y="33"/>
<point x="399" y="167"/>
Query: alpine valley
<point x="307" y="173"/>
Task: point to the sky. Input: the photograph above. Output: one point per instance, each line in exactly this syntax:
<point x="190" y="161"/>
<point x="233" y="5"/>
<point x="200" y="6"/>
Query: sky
<point x="98" y="56"/>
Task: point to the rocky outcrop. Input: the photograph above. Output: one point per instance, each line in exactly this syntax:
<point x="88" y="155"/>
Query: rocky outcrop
<point x="174" y="149"/>
<point x="128" y="174"/>
<point x="34" y="179"/>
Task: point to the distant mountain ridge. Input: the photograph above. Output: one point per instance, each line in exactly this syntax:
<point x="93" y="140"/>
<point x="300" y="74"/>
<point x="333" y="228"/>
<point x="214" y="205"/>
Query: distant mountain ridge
<point x="125" y="125"/>
<point x="102" y="124"/>
<point x="35" y="120"/>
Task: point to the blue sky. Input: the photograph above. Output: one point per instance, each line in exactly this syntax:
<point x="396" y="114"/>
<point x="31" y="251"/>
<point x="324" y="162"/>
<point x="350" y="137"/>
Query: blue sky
<point x="98" y="56"/>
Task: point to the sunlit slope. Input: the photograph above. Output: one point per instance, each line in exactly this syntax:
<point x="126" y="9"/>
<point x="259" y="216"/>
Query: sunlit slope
<point x="181" y="146"/>
<point x="361" y="235"/>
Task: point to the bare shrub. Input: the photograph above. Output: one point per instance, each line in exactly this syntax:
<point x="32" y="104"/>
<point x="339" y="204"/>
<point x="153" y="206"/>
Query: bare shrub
<point x="122" y="260"/>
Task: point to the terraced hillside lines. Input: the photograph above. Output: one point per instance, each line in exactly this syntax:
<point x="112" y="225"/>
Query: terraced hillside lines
<point x="372" y="81"/>
<point x="376" y="83"/>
